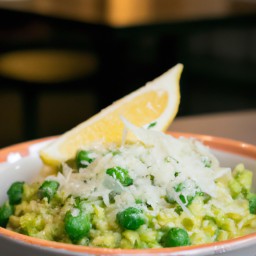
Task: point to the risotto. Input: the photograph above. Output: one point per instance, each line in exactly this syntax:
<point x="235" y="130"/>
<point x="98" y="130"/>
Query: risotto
<point x="159" y="191"/>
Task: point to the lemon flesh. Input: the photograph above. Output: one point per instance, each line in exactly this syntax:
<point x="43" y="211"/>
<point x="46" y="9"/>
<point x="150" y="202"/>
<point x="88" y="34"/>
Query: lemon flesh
<point x="157" y="102"/>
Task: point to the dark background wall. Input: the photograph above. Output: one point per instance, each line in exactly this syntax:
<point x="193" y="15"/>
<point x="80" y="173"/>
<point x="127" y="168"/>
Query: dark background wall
<point x="219" y="75"/>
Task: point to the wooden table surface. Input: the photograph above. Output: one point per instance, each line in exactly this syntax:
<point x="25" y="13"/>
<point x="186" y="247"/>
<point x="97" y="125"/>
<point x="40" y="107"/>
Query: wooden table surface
<point x="120" y="13"/>
<point x="238" y="125"/>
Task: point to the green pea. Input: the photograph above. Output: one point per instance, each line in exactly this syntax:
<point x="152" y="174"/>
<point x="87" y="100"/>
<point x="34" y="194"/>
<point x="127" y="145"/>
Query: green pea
<point x="48" y="189"/>
<point x="131" y="218"/>
<point x="252" y="203"/>
<point x="77" y="224"/>
<point x="175" y="237"/>
<point x="121" y="175"/>
<point x="5" y="212"/>
<point x="83" y="159"/>
<point x="15" y="192"/>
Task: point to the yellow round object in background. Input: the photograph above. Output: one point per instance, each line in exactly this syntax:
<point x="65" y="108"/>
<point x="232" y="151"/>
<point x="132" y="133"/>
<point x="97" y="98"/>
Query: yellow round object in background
<point x="46" y="65"/>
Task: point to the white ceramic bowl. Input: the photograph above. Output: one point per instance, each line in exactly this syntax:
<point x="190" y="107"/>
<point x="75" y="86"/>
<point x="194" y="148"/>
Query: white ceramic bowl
<point x="21" y="163"/>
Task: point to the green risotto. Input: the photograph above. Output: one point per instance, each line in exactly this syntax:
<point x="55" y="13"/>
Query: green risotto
<point x="157" y="192"/>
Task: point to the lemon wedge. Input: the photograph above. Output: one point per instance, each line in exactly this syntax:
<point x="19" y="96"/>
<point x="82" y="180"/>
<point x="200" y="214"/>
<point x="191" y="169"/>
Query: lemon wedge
<point x="153" y="106"/>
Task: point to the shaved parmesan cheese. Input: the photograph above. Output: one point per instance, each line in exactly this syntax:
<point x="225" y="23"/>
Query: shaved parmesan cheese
<point x="157" y="163"/>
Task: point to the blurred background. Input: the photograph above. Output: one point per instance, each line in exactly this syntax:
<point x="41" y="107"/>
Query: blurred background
<point x="61" y="61"/>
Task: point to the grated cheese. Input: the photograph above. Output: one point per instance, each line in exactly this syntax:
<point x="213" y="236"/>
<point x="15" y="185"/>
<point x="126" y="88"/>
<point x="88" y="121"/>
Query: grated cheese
<point x="157" y="163"/>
